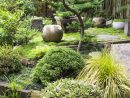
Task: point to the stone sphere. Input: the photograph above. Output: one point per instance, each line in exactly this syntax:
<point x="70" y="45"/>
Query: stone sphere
<point x="52" y="33"/>
<point x="99" y="22"/>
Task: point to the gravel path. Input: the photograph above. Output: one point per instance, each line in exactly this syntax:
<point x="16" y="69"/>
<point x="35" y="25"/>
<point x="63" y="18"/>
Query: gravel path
<point x="121" y="53"/>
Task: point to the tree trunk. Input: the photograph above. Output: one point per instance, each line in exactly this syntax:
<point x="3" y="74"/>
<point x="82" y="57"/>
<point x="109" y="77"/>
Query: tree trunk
<point x="124" y="11"/>
<point x="80" y="21"/>
<point x="115" y="3"/>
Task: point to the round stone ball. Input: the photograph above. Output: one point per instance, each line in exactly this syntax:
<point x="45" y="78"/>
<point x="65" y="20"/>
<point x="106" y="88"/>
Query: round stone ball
<point x="52" y="33"/>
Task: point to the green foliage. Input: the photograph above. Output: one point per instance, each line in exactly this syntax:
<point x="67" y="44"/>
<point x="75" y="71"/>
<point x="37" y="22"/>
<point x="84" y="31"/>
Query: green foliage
<point x="119" y="20"/>
<point x="89" y="38"/>
<point x="33" y="51"/>
<point x="63" y="14"/>
<point x="24" y="32"/>
<point x="12" y="91"/>
<point x="106" y="74"/>
<point x="14" y="87"/>
<point x="67" y="88"/>
<point x="78" y="6"/>
<point x="47" y="21"/>
<point x="74" y="26"/>
<point x="15" y="26"/>
<point x="58" y="63"/>
<point x="88" y="23"/>
<point x="13" y="5"/>
<point x="21" y="79"/>
<point x="9" y="60"/>
<point x="108" y="30"/>
<point x="38" y="52"/>
<point x="9" y="22"/>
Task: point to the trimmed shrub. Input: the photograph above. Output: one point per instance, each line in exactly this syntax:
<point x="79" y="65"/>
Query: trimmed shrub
<point x="58" y="63"/>
<point x="9" y="60"/>
<point x="67" y="88"/>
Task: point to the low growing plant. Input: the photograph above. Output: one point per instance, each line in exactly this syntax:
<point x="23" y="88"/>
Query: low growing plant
<point x="68" y="88"/>
<point x="108" y="75"/>
<point x="58" y="63"/>
<point x="9" y="60"/>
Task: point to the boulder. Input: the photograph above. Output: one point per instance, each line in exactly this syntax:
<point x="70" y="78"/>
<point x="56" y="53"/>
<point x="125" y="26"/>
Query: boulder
<point x="52" y="33"/>
<point x="99" y="22"/>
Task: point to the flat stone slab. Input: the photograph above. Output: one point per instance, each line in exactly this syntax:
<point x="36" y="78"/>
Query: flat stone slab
<point x="121" y="53"/>
<point x="94" y="54"/>
<point x="107" y="37"/>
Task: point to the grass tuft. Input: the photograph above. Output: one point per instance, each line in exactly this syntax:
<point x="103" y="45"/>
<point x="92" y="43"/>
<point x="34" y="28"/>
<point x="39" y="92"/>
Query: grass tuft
<point x="104" y="72"/>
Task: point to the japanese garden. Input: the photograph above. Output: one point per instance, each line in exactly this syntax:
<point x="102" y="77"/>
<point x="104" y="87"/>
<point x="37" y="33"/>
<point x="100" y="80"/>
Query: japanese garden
<point x="64" y="48"/>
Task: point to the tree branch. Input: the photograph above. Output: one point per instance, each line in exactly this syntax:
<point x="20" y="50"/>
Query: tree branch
<point x="80" y="21"/>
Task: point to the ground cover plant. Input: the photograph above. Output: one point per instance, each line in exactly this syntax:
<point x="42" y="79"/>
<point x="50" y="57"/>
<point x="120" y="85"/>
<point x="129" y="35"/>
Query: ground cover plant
<point x="68" y="88"/>
<point x="9" y="60"/>
<point x="107" y="30"/>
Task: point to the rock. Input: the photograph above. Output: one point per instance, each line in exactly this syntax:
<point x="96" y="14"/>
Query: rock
<point x="31" y="64"/>
<point x="28" y="63"/>
<point x="109" y="23"/>
<point x="94" y="54"/>
<point x="37" y="23"/>
<point x="24" y="62"/>
<point x="52" y="33"/>
<point x="99" y="22"/>
<point x="36" y="94"/>
<point x="107" y="37"/>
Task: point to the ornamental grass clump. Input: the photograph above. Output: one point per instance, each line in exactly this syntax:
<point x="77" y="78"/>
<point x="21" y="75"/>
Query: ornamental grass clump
<point x="68" y="88"/>
<point x="9" y="60"/>
<point x="104" y="72"/>
<point x="58" y="63"/>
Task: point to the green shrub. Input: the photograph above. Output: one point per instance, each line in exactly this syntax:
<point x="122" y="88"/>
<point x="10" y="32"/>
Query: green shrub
<point x="106" y="74"/>
<point x="58" y="63"/>
<point x="24" y="32"/>
<point x="67" y="88"/>
<point x="9" y="60"/>
<point x="9" y="23"/>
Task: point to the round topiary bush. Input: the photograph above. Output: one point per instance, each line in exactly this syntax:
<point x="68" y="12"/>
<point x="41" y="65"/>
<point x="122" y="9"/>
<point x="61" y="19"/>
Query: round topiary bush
<point x="58" y="63"/>
<point x="9" y="60"/>
<point x="67" y="88"/>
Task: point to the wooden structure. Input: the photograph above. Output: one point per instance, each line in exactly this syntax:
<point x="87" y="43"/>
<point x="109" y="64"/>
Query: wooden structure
<point x="117" y="8"/>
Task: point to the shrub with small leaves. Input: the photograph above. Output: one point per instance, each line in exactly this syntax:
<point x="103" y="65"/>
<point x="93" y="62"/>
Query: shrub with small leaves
<point x="67" y="88"/>
<point x="9" y="60"/>
<point x="58" y="63"/>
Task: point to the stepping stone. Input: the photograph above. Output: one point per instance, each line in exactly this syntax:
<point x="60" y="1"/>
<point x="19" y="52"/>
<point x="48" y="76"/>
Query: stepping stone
<point x="121" y="53"/>
<point x="94" y="54"/>
<point x="107" y="38"/>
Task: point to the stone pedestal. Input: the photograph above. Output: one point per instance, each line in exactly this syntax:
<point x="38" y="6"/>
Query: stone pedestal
<point x="37" y="24"/>
<point x="127" y="28"/>
<point x="64" y="22"/>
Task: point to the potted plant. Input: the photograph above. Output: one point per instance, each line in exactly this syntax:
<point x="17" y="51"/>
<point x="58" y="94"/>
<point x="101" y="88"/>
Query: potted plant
<point x="118" y="23"/>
